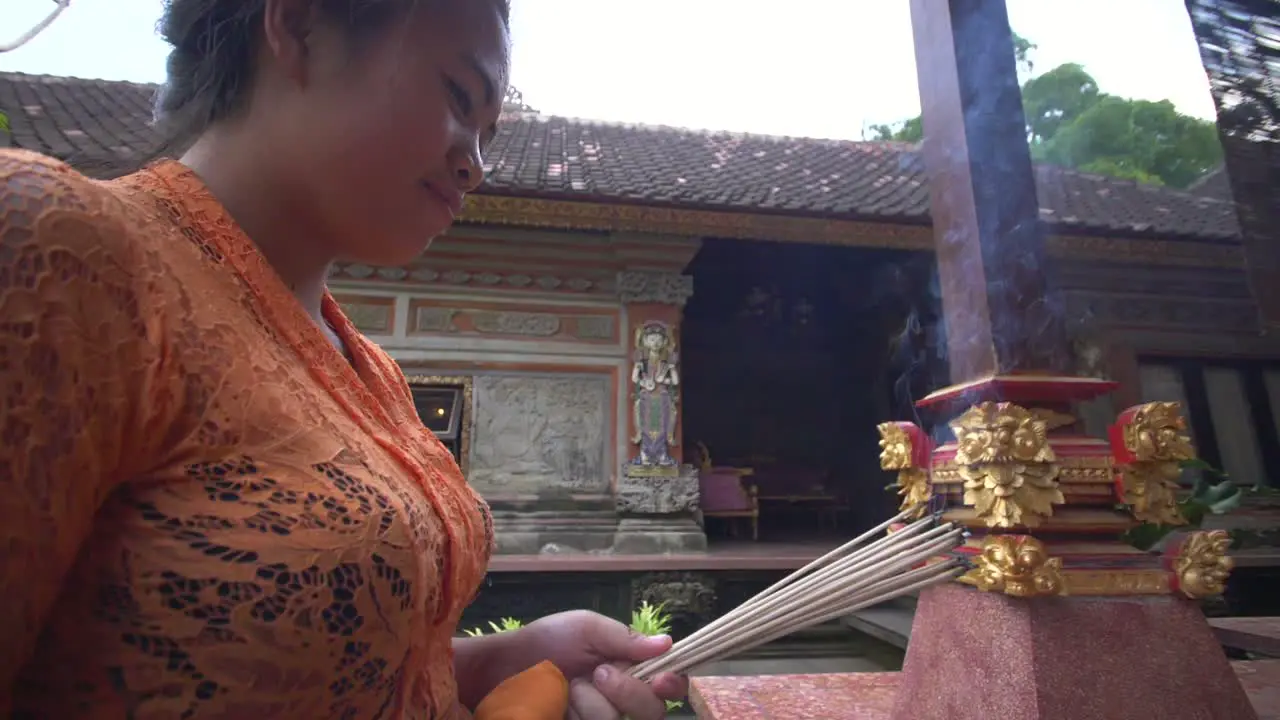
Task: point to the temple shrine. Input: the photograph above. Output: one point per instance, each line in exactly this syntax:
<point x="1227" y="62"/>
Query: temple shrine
<point x="677" y="363"/>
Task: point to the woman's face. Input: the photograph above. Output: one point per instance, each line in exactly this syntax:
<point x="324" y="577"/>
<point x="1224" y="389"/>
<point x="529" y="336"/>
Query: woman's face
<point x="389" y="135"/>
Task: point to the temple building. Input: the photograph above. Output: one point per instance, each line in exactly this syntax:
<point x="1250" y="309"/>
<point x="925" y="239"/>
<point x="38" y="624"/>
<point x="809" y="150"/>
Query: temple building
<point x="792" y="279"/>
<point x="637" y="332"/>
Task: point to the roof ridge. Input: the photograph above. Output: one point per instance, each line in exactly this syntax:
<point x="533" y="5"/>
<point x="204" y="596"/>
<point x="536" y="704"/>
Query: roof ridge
<point x="532" y="116"/>
<point x="19" y="76"/>
<point x="1185" y="193"/>
<point x="549" y="155"/>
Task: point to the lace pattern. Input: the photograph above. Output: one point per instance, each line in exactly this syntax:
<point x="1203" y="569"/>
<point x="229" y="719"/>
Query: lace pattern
<point x="209" y="511"/>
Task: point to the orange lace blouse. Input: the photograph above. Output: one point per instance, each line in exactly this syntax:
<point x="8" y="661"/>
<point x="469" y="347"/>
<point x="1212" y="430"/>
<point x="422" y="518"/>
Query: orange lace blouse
<point x="208" y="512"/>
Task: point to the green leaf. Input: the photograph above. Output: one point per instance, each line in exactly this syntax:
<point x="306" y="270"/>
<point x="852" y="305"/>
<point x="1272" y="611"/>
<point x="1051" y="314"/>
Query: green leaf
<point x="651" y="619"/>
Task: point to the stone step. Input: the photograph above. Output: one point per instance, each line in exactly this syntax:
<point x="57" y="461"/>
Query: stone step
<point x="889" y="622"/>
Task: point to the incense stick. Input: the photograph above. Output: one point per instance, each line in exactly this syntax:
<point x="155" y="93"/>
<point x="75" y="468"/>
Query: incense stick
<point x="842" y="581"/>
<point x="813" y="566"/>
<point x="910" y="582"/>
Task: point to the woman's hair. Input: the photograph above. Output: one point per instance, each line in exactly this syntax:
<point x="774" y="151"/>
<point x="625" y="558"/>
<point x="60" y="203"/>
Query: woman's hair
<point x="215" y="46"/>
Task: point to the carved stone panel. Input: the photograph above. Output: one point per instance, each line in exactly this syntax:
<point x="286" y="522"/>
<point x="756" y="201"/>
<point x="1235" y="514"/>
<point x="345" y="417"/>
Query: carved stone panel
<point x="517" y="323"/>
<point x="539" y="433"/>
<point x="655" y="287"/>
<point x="657" y="495"/>
<point x="372" y="315"/>
<point x="595" y="327"/>
<point x="692" y="595"/>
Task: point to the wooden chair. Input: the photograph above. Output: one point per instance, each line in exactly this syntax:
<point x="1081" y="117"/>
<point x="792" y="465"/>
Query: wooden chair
<point x="723" y="494"/>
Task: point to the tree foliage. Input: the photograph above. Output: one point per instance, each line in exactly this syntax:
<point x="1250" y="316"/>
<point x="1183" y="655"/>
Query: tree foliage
<point x="1072" y="123"/>
<point x="1139" y="140"/>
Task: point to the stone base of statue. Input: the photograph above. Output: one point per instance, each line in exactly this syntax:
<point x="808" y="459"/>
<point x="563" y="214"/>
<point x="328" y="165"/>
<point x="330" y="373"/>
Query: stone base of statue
<point x="655" y="506"/>
<point x="558" y="525"/>
<point x="980" y="654"/>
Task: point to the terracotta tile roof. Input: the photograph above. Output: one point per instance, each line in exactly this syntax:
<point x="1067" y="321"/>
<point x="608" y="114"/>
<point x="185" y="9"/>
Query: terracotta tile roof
<point x="1215" y="184"/>
<point x="552" y="157"/>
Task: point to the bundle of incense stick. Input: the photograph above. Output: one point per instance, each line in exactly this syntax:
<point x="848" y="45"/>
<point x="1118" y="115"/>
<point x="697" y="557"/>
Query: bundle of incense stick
<point x="851" y="577"/>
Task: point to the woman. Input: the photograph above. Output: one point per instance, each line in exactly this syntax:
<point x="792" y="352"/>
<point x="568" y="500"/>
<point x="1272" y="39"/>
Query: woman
<point x="217" y="497"/>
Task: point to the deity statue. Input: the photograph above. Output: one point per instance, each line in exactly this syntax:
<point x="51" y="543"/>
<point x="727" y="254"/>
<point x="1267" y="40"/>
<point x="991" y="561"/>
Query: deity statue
<point x="656" y="380"/>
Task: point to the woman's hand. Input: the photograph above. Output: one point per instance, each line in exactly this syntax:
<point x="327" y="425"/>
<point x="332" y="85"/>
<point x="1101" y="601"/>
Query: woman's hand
<point x="594" y="652"/>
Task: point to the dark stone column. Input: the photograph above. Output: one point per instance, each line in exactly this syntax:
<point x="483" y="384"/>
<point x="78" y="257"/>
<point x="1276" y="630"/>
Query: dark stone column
<point x="1001" y="316"/>
<point x="1230" y="35"/>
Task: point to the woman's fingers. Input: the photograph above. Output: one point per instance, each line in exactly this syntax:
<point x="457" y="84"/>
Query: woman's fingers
<point x="611" y="694"/>
<point x="670" y="686"/>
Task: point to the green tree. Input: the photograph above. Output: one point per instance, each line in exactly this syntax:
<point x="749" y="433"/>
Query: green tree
<point x="1057" y="98"/>
<point x="1135" y="139"/>
<point x="1072" y="123"/>
<point x="912" y="130"/>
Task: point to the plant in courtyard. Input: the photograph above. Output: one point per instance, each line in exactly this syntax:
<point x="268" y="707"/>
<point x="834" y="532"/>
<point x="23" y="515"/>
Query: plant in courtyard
<point x="651" y="619"/>
<point x="507" y="624"/>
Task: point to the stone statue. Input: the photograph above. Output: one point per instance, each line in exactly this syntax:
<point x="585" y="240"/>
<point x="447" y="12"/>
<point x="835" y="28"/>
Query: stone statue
<point x="656" y="380"/>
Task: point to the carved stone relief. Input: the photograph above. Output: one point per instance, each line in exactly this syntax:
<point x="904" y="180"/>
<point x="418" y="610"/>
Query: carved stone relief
<point x="516" y="323"/>
<point x="657" y="495"/>
<point x="369" y="317"/>
<point x="655" y="287"/>
<point x="461" y="319"/>
<point x="680" y="593"/>
<point x="434" y="319"/>
<point x="482" y="279"/>
<point x="595" y="327"/>
<point x="537" y="433"/>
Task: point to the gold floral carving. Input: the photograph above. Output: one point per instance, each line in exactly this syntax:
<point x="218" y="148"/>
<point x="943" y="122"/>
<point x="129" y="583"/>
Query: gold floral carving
<point x="1116" y="582"/>
<point x="1158" y="439"/>
<point x="1202" y="565"/>
<point x="1053" y="419"/>
<point x="896" y="454"/>
<point x="1158" y="433"/>
<point x="1151" y="492"/>
<point x="1017" y="565"/>
<point x="1009" y="470"/>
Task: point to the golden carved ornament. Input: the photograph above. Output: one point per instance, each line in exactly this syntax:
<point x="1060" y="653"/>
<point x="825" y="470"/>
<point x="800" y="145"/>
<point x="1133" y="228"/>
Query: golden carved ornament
<point x="1151" y="492"/>
<point x="1157" y="438"/>
<point x="1053" y="419"/>
<point x="895" y="447"/>
<point x="1009" y="469"/>
<point x="913" y="486"/>
<point x="1116" y="582"/>
<point x="1158" y="433"/>
<point x="897" y="453"/>
<point x="1202" y="565"/>
<point x="1017" y="565"/>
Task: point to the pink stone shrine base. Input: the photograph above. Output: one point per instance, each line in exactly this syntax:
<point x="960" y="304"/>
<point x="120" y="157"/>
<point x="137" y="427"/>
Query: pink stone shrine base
<point x="976" y="655"/>
<point x="843" y="696"/>
<point x="871" y="696"/>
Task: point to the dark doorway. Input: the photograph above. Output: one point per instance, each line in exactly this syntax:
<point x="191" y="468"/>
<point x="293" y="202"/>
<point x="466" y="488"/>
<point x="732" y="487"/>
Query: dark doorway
<point x="791" y="355"/>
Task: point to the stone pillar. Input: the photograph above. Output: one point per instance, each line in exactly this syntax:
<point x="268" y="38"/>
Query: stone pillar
<point x="657" y="494"/>
<point x="1058" y="618"/>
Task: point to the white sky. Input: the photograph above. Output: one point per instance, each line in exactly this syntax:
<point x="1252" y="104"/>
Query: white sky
<point x="816" y="68"/>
